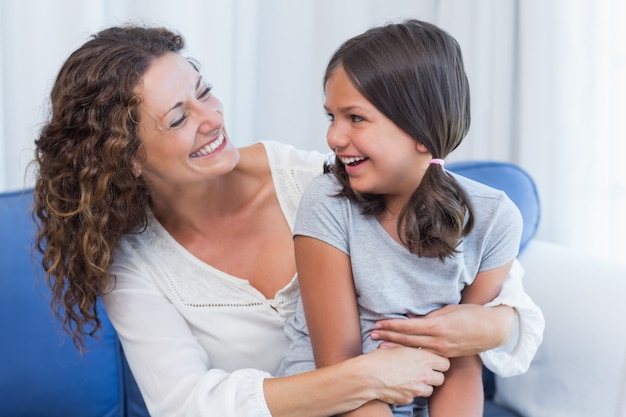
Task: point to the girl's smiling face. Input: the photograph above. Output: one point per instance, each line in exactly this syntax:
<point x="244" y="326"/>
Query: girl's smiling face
<point x="181" y="126"/>
<point x="379" y="157"/>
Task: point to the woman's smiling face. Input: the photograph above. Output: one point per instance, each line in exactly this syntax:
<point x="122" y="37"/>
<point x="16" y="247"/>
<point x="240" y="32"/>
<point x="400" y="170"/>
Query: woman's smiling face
<point x="181" y="126"/>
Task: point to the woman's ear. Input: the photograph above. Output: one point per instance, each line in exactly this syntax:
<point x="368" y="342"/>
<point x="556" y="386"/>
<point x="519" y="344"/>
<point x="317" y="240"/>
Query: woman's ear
<point x="136" y="168"/>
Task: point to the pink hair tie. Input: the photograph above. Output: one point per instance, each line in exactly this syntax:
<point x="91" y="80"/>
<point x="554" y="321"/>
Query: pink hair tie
<point x="436" y="161"/>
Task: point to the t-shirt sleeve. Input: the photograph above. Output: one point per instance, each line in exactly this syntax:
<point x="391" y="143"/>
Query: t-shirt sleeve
<point x="322" y="215"/>
<point x="504" y="234"/>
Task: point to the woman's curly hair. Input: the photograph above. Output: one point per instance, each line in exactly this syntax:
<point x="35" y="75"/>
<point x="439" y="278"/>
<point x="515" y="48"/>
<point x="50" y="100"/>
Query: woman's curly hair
<point x="413" y="73"/>
<point x="86" y="193"/>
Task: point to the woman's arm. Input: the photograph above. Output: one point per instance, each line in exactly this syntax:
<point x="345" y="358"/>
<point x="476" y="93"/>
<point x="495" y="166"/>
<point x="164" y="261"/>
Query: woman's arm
<point x="330" y="306"/>
<point x="466" y="329"/>
<point x="451" y="331"/>
<point x="462" y="393"/>
<point x="394" y="376"/>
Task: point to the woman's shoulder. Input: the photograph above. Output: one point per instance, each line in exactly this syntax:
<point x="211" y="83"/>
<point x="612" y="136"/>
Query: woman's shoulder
<point x="139" y="240"/>
<point x="270" y="156"/>
<point x="293" y="169"/>
<point x="253" y="159"/>
<point x="285" y="155"/>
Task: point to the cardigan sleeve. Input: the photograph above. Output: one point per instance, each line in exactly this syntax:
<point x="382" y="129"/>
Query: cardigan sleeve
<point x="515" y="356"/>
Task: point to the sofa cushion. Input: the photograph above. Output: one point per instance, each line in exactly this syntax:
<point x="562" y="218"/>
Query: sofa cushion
<point x="514" y="181"/>
<point x="43" y="374"/>
<point x="580" y="368"/>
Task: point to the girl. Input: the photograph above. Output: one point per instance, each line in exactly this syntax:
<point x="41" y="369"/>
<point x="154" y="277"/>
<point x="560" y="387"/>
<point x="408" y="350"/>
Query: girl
<point x="388" y="232"/>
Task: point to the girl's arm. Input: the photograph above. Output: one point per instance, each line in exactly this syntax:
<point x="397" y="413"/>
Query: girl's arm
<point x="462" y="393"/>
<point x="330" y="306"/>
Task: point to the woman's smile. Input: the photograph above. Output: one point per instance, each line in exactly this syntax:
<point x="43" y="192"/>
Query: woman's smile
<point x="209" y="148"/>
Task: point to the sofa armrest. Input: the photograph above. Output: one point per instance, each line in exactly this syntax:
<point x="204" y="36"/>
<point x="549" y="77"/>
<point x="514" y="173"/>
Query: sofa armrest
<point x="580" y="369"/>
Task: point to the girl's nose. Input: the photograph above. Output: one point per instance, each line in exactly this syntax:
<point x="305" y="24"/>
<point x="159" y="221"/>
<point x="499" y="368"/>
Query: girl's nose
<point x="335" y="137"/>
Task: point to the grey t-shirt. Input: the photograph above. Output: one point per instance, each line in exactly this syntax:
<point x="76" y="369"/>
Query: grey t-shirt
<point x="390" y="281"/>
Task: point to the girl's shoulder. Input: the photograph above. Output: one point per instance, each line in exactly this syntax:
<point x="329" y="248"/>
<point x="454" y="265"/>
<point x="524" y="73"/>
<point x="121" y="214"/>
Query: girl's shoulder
<point x="477" y="189"/>
<point x="488" y="202"/>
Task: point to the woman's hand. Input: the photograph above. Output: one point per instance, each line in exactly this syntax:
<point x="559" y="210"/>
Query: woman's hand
<point x="401" y="373"/>
<point x="452" y="331"/>
<point x="395" y="376"/>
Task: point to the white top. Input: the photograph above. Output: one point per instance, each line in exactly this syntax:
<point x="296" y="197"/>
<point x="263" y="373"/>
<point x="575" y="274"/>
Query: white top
<point x="200" y="342"/>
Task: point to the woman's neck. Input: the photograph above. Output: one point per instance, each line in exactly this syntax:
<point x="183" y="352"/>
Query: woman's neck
<point x="198" y="206"/>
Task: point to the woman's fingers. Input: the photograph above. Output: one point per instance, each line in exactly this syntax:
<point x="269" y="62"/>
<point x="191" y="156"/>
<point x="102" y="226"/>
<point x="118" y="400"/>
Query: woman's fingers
<point x="407" y="373"/>
<point x="454" y="330"/>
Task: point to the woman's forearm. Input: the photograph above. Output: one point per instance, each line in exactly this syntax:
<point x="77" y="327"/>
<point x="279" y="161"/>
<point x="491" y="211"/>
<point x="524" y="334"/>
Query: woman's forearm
<point x="394" y="375"/>
<point x="323" y="392"/>
<point x="452" y="331"/>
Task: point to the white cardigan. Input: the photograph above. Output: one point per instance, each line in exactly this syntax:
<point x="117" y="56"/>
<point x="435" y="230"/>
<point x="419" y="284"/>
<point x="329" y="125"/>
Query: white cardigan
<point x="200" y="342"/>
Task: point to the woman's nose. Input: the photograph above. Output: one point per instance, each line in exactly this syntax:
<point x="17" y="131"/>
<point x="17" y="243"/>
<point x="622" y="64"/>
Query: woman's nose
<point x="211" y="116"/>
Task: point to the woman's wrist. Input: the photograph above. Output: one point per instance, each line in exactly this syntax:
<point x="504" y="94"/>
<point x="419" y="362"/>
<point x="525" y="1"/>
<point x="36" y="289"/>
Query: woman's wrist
<point x="367" y="385"/>
<point x="325" y="391"/>
<point x="509" y="322"/>
<point x="506" y="317"/>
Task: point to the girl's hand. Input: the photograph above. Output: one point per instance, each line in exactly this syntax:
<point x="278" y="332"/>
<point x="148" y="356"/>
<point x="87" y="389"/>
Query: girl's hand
<point x="452" y="331"/>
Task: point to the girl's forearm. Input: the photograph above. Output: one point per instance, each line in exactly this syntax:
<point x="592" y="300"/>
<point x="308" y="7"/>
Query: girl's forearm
<point x="461" y="395"/>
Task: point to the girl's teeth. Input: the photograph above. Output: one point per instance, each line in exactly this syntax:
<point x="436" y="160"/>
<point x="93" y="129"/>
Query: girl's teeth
<point x="349" y="161"/>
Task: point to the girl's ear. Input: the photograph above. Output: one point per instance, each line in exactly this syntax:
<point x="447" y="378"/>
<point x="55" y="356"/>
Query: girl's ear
<point x="421" y="148"/>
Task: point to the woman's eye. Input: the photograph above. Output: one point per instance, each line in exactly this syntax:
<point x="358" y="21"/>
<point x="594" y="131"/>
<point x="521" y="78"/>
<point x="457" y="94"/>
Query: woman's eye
<point x="356" y="118"/>
<point x="205" y="92"/>
<point x="330" y="117"/>
<point x="178" y="122"/>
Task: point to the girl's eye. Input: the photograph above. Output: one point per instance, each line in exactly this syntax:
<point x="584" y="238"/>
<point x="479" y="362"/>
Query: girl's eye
<point x="330" y="116"/>
<point x="178" y="122"/>
<point x="356" y="118"/>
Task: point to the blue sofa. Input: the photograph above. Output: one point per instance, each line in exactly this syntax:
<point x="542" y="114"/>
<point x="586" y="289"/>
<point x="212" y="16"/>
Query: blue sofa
<point x="43" y="375"/>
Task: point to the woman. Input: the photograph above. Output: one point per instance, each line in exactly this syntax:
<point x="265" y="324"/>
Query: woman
<point x="144" y="200"/>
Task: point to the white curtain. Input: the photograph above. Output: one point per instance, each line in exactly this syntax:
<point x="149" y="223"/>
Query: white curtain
<point x="547" y="82"/>
<point x="572" y="103"/>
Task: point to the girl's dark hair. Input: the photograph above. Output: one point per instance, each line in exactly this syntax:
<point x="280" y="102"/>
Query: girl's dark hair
<point x="413" y="73"/>
<point x="86" y="193"/>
